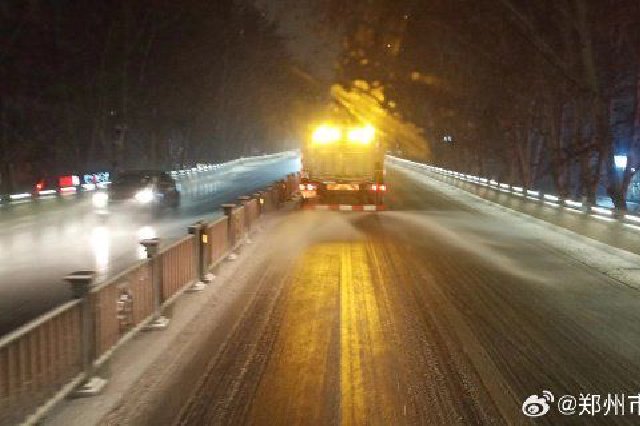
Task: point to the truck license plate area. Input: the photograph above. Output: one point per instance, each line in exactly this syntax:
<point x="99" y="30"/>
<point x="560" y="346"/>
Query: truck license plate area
<point x="343" y="187"/>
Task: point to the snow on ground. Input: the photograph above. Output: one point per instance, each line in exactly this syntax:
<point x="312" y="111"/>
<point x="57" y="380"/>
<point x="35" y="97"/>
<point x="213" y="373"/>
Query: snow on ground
<point x="604" y="201"/>
<point x="620" y="265"/>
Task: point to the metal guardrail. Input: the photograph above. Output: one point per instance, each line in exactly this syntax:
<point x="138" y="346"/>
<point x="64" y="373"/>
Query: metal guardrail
<point x="552" y="200"/>
<point x="71" y="191"/>
<point x="50" y="357"/>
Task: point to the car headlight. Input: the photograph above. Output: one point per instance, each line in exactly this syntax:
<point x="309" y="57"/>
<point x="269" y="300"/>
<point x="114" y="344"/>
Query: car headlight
<point x="144" y="196"/>
<point x="100" y="200"/>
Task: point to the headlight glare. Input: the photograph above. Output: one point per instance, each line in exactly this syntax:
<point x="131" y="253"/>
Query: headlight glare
<point x="100" y="199"/>
<point x="144" y="196"/>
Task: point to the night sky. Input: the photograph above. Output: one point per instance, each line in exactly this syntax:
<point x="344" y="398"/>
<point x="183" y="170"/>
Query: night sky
<point x="311" y="38"/>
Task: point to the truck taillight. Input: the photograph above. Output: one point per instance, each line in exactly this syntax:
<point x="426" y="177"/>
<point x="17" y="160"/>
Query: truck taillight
<point x="374" y="187"/>
<point x="302" y="186"/>
<point x="379" y="187"/>
<point x="307" y="187"/>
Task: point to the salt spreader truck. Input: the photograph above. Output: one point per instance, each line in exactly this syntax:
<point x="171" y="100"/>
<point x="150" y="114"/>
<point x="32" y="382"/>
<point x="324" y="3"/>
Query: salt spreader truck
<point x="343" y="169"/>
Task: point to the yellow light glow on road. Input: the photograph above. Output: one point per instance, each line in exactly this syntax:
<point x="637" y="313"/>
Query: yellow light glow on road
<point x="331" y="329"/>
<point x="326" y="134"/>
<point x="100" y="240"/>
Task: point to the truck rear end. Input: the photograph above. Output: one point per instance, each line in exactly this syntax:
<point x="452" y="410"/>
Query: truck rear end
<point x="343" y="169"/>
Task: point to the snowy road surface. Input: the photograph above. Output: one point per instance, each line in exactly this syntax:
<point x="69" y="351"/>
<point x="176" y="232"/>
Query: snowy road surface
<point x="440" y="311"/>
<point x="42" y="242"/>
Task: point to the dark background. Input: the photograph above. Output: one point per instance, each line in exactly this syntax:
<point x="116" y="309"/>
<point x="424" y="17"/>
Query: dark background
<point x="538" y="93"/>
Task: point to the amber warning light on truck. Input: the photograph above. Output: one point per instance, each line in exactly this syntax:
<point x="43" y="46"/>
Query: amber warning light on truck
<point x="326" y="134"/>
<point x="363" y="135"/>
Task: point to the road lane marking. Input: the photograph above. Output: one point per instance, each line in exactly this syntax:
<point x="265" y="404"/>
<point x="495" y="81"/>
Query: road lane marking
<point x="351" y="391"/>
<point x="366" y="389"/>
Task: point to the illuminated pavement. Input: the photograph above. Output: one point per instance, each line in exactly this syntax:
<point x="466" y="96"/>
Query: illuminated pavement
<point x="433" y="313"/>
<point x="44" y="241"/>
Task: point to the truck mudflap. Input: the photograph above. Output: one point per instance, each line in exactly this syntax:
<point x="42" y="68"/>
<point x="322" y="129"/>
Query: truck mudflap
<point x="345" y="207"/>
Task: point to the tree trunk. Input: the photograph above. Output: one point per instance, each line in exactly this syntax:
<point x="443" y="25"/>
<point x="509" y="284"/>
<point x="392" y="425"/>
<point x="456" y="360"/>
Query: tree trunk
<point x="6" y="175"/>
<point x="554" y="139"/>
<point x="599" y="139"/>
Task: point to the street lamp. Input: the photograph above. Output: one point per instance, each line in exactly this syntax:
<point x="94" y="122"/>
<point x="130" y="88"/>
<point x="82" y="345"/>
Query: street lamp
<point x="620" y="161"/>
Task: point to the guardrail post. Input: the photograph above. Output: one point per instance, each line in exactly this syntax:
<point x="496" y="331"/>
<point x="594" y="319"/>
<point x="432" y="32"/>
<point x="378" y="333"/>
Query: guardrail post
<point x="282" y="192"/>
<point x="159" y="322"/>
<point x="291" y="178"/>
<point x="259" y="202"/>
<point x="586" y="205"/>
<point x="231" y="229"/>
<point x="561" y="201"/>
<point x="200" y="241"/>
<point x="274" y="195"/>
<point x="269" y="198"/>
<point x="259" y="210"/>
<point x="618" y="214"/>
<point x="296" y="183"/>
<point x="243" y="200"/>
<point x="81" y="283"/>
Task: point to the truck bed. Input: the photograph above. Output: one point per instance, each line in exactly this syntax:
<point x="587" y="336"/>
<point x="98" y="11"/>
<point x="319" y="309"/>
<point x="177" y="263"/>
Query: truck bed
<point x="333" y="165"/>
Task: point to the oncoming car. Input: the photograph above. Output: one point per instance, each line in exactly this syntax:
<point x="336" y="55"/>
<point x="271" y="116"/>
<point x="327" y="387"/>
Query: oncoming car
<point x="141" y="188"/>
